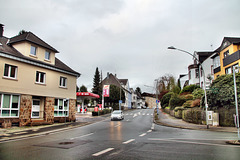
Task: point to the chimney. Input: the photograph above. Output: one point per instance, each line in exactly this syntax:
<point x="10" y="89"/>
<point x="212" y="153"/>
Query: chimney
<point x="107" y="75"/>
<point x="1" y="30"/>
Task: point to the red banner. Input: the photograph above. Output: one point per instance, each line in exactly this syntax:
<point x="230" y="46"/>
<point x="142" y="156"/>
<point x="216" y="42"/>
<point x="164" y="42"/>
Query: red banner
<point x="106" y="89"/>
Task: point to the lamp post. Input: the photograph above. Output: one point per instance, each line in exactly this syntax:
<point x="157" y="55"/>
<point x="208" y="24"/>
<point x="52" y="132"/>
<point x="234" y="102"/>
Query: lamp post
<point x="236" y="100"/>
<point x="204" y="85"/>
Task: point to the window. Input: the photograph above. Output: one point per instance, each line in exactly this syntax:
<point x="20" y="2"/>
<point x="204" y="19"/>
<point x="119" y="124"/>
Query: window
<point x="63" y="82"/>
<point x="225" y="54"/>
<point x="9" y="105"/>
<point x="197" y="73"/>
<point x="33" y="51"/>
<point x="216" y="62"/>
<point x="40" y="77"/>
<point x="10" y="71"/>
<point x="61" y="107"/>
<point x="47" y="55"/>
<point x="228" y="70"/>
<point x="189" y="74"/>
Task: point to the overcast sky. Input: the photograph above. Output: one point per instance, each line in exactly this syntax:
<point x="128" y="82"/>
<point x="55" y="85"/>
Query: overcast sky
<point x="125" y="37"/>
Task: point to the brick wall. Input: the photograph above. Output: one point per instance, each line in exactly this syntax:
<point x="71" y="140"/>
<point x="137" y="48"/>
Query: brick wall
<point x="25" y="110"/>
<point x="49" y="110"/>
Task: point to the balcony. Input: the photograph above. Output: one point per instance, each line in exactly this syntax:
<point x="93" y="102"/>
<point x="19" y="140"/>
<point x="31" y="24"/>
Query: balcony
<point x="231" y="58"/>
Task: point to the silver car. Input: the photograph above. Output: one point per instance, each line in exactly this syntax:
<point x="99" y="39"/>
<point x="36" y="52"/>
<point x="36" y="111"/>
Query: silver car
<point x="117" y="115"/>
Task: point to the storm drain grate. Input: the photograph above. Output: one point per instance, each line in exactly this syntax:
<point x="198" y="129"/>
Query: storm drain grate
<point x="63" y="144"/>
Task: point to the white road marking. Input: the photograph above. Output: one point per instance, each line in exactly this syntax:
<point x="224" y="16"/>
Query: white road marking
<point x="131" y="114"/>
<point x="135" y="115"/>
<point x="82" y="136"/>
<point x="199" y="143"/>
<point x="143" y="114"/>
<point x="139" y="113"/>
<point x="149" y="131"/>
<point x="128" y="120"/>
<point x="151" y="114"/>
<point x="102" y="152"/>
<point x="144" y="134"/>
<point x="152" y="128"/>
<point x="129" y="141"/>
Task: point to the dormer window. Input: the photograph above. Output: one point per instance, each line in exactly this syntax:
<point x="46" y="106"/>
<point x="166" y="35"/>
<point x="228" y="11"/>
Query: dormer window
<point x="33" y="51"/>
<point x="47" y="55"/>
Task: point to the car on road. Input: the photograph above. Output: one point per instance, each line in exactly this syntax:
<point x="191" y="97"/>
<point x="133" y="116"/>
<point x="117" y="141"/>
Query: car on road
<point x="117" y="115"/>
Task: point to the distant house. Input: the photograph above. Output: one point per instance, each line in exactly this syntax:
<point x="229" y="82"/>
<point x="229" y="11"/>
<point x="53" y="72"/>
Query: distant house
<point x="36" y="87"/>
<point x="123" y="83"/>
<point x="150" y="99"/>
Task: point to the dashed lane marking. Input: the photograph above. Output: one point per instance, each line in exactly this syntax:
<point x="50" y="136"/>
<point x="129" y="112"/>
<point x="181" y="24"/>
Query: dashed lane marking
<point x="129" y="141"/>
<point x="141" y="135"/>
<point x="149" y="131"/>
<point x="102" y="152"/>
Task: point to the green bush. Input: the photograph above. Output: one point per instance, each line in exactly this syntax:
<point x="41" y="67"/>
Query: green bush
<point x="187" y="104"/>
<point x="221" y="92"/>
<point x="178" y="108"/>
<point x="165" y="99"/>
<point x="175" y="101"/>
<point x="198" y="93"/>
<point x="187" y="97"/>
<point x="190" y="88"/>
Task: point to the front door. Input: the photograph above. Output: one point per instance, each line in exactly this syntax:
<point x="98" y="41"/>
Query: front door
<point x="36" y="108"/>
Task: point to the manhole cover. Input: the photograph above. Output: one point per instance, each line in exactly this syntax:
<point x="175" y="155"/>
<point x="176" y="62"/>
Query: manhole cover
<point x="65" y="143"/>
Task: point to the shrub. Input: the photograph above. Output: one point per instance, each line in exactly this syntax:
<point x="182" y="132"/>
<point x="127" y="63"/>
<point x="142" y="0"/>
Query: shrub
<point x="189" y="88"/>
<point x="178" y="108"/>
<point x="198" y="93"/>
<point x="221" y="92"/>
<point x="196" y="103"/>
<point x="165" y="99"/>
<point x="187" y="104"/>
<point x="176" y="100"/>
<point x="187" y="97"/>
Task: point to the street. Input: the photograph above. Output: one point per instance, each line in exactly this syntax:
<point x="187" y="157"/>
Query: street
<point x="135" y="137"/>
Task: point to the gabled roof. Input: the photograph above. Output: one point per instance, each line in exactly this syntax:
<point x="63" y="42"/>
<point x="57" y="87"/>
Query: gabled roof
<point x="202" y="56"/>
<point x="30" y="37"/>
<point x="123" y="81"/>
<point x="9" y="51"/>
<point x="227" y="41"/>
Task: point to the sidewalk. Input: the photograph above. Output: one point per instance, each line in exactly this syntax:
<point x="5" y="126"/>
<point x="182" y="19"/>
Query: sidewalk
<point x="167" y="120"/>
<point x="13" y="133"/>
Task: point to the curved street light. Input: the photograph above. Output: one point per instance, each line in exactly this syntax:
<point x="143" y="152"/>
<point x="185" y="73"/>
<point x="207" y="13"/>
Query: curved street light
<point x="204" y="85"/>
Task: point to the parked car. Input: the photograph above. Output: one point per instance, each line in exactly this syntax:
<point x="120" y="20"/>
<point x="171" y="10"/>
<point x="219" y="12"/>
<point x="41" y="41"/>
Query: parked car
<point x="139" y="107"/>
<point x="117" y="115"/>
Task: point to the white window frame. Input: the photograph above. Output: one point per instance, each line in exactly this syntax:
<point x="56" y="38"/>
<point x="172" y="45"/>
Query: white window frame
<point x="47" y="55"/>
<point x="10" y="68"/>
<point x="62" y="80"/>
<point x="39" y="77"/>
<point x="36" y="108"/>
<point x="33" y="52"/>
<point x="58" y="110"/>
<point x="10" y="109"/>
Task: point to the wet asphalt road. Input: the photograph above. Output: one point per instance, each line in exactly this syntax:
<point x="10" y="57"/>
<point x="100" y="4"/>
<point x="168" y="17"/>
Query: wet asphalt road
<point x="136" y="137"/>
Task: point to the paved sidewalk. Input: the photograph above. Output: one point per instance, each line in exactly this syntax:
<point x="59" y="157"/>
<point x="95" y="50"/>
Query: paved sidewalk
<point x="167" y="120"/>
<point x="31" y="131"/>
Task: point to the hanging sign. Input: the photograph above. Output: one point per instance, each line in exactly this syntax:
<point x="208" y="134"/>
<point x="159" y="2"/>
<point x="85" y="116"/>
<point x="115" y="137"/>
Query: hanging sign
<point x="106" y="90"/>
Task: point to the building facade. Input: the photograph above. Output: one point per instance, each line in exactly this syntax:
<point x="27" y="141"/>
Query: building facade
<point x="35" y="86"/>
<point x="227" y="55"/>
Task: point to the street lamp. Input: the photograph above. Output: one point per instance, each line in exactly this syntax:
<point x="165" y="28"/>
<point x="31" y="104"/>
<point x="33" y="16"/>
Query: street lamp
<point x="204" y="85"/>
<point x="236" y="100"/>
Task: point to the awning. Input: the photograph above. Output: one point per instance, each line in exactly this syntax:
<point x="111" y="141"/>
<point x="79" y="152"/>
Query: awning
<point x="87" y="95"/>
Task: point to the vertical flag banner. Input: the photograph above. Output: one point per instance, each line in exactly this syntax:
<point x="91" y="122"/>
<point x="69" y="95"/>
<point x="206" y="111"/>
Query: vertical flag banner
<point x="106" y="90"/>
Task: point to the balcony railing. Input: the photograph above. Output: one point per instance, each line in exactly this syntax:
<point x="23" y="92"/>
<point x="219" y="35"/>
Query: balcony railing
<point x="231" y="58"/>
